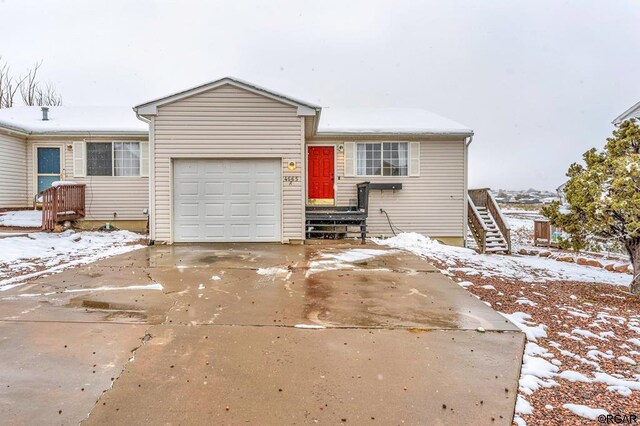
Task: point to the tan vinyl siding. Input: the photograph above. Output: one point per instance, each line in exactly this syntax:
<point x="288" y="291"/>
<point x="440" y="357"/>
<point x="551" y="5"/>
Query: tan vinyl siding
<point x="228" y="122"/>
<point x="13" y="172"/>
<point x="105" y="195"/>
<point x="431" y="204"/>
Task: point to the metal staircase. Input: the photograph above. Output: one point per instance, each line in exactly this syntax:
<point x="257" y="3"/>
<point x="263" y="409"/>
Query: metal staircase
<point x="486" y="223"/>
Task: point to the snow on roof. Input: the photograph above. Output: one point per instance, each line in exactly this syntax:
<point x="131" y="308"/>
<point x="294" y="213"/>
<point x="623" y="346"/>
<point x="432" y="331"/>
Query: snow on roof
<point x="67" y="119"/>
<point x="387" y="120"/>
<point x="219" y="82"/>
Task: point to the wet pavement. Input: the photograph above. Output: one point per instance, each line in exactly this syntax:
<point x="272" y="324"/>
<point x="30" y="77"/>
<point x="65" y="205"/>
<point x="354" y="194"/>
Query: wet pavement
<point x="254" y="334"/>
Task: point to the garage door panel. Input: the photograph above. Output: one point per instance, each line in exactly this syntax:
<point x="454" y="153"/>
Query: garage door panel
<point x="214" y="189"/>
<point x="188" y="210"/>
<point x="189" y="232"/>
<point x="240" y="231"/>
<point x="265" y="210"/>
<point x="266" y="188"/>
<point x="188" y="188"/>
<point x="240" y="210"/>
<point x="240" y="188"/>
<point x="213" y="168"/>
<point x="227" y="200"/>
<point x="214" y="210"/>
<point x="187" y="169"/>
<point x="214" y="232"/>
<point x="264" y="231"/>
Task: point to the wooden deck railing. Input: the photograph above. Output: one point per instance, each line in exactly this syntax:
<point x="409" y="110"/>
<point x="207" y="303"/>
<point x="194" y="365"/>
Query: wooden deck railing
<point x="495" y="211"/>
<point x="483" y="198"/>
<point x="62" y="203"/>
<point x="476" y="225"/>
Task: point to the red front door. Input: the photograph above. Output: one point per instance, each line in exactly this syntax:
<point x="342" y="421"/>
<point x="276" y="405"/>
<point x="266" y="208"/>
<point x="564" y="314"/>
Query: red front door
<point x="320" y="174"/>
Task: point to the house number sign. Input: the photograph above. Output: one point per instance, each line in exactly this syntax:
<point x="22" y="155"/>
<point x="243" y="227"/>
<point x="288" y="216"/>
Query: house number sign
<point x="291" y="179"/>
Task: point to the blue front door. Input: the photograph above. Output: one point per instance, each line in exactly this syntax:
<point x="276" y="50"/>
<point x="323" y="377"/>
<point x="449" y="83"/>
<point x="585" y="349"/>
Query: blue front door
<point x="48" y="168"/>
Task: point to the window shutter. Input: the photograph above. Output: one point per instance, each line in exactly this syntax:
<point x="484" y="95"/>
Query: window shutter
<point x="349" y="159"/>
<point x="414" y="159"/>
<point x="79" y="159"/>
<point x="144" y="158"/>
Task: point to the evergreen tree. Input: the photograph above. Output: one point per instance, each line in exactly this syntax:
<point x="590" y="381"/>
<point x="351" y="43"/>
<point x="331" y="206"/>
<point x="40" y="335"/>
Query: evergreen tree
<point x="603" y="196"/>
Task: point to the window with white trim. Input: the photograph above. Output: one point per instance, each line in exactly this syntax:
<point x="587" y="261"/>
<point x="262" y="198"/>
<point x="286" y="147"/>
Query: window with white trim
<point x="113" y="159"/>
<point x="382" y="159"/>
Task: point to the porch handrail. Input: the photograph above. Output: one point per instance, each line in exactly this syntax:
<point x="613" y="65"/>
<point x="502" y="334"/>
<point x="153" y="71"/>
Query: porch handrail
<point x="493" y="207"/>
<point x="60" y="203"/>
<point x="477" y="224"/>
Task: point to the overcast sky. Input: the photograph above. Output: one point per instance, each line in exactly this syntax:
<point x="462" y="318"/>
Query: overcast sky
<point x="538" y="81"/>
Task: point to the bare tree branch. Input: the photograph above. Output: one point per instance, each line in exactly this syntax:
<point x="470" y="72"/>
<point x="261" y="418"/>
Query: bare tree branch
<point x="29" y="86"/>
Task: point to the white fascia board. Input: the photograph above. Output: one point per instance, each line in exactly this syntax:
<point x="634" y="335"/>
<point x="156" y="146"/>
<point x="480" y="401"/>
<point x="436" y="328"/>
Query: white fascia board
<point x="627" y="114"/>
<point x="392" y="134"/>
<point x="151" y="108"/>
<point x="305" y="111"/>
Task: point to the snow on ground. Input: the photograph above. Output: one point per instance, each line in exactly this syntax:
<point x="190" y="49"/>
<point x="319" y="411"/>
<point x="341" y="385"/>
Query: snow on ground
<point x="584" y="411"/>
<point x="342" y="260"/>
<point x="39" y="253"/>
<point x="582" y="329"/>
<point x="133" y="287"/>
<point x="517" y="267"/>
<point x="22" y="219"/>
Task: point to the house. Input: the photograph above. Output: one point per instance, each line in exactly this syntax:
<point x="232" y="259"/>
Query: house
<point x="232" y="161"/>
<point x="103" y="147"/>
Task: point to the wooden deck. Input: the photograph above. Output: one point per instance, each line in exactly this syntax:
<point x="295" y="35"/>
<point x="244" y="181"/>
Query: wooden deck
<point x="62" y="203"/>
<point x="339" y="221"/>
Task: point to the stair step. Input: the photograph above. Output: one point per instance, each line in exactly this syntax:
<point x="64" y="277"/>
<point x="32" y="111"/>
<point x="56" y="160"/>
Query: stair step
<point x="495" y="244"/>
<point x="496" y="249"/>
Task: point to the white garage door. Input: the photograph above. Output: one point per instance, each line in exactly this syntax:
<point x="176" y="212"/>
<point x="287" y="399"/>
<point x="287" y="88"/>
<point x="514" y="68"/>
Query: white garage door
<point x="226" y="200"/>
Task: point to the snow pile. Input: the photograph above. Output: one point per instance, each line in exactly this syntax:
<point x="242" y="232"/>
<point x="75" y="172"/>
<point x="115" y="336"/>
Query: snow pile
<point x="521" y="320"/>
<point x="523" y="268"/>
<point x="22" y="219"/>
<point x="584" y="411"/>
<point x="273" y="273"/>
<point x="63" y="183"/>
<point x="22" y="258"/>
<point x="343" y="260"/>
<point x="310" y="326"/>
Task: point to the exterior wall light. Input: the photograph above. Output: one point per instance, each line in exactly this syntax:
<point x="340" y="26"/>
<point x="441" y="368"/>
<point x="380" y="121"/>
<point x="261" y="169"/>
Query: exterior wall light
<point x="292" y="165"/>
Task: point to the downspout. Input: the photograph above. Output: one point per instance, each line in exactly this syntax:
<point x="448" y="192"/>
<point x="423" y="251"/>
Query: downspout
<point x="468" y="141"/>
<point x="151" y="201"/>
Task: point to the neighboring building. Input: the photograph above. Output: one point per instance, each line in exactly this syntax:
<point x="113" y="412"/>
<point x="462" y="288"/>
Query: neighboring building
<point x="231" y="161"/>
<point x="103" y="147"/>
<point x="633" y="112"/>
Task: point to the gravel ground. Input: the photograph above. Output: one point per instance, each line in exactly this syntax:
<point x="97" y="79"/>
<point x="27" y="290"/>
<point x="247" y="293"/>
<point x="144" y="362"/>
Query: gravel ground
<point x="563" y="307"/>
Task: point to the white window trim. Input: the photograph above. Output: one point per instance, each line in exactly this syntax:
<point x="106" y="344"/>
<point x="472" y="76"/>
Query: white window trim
<point x="113" y="160"/>
<point x="355" y="160"/>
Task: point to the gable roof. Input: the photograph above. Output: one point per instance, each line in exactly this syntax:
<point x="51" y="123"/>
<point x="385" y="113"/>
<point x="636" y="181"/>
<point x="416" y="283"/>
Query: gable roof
<point x="387" y="121"/>
<point x="72" y="120"/>
<point x="151" y="107"/>
<point x="632" y="112"/>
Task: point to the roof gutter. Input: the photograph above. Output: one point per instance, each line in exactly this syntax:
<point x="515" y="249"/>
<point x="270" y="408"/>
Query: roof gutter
<point x="15" y="130"/>
<point x="141" y="117"/>
<point x="394" y="134"/>
<point x="92" y="133"/>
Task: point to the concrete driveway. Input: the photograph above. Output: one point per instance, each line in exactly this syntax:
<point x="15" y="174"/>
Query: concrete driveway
<point x="255" y="334"/>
